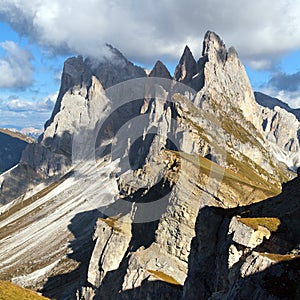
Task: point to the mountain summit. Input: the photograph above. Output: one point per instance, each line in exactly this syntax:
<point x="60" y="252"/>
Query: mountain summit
<point x="156" y="187"/>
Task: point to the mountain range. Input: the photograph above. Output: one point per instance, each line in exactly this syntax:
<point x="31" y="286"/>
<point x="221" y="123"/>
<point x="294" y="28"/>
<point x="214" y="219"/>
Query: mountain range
<point x="147" y="185"/>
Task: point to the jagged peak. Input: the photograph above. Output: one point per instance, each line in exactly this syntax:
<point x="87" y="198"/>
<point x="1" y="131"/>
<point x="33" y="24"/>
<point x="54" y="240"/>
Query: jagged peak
<point x="160" y="70"/>
<point x="187" y="66"/>
<point x="114" y="54"/>
<point x="187" y="54"/>
<point x="212" y="41"/>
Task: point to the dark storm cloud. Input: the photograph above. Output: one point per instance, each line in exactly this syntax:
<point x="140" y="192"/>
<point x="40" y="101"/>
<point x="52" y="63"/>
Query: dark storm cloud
<point x="285" y="82"/>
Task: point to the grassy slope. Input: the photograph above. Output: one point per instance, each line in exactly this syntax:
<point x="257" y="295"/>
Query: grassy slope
<point x="9" y="291"/>
<point x="244" y="177"/>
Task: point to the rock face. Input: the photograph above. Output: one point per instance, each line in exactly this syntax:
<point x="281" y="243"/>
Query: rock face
<point x="186" y="68"/>
<point x="270" y="102"/>
<point x="160" y="70"/>
<point x="111" y="70"/>
<point x="153" y="188"/>
<point x="281" y="127"/>
<point x="233" y="257"/>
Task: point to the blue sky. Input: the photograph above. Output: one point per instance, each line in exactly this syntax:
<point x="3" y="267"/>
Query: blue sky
<point x="37" y="36"/>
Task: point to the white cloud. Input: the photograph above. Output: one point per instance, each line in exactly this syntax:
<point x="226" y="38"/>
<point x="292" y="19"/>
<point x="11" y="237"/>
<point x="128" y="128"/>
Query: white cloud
<point x="47" y="103"/>
<point x="292" y="98"/>
<point x="15" y="68"/>
<point x="44" y="105"/>
<point x="21" y="113"/>
<point x="146" y="30"/>
<point x="285" y="87"/>
<point x="20" y="105"/>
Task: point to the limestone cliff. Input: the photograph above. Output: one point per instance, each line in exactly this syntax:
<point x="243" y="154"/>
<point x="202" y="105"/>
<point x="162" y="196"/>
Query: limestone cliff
<point x="146" y="187"/>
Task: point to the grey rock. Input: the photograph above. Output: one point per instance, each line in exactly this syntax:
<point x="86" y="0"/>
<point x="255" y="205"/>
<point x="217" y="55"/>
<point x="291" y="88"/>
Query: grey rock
<point x="112" y="237"/>
<point x="186" y="68"/>
<point x="165" y="213"/>
<point x="271" y="102"/>
<point x="245" y="235"/>
<point x="160" y="70"/>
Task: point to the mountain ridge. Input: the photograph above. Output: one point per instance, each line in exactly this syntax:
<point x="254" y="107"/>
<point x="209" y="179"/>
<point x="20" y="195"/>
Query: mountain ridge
<point x="124" y="223"/>
<point x="12" y="145"/>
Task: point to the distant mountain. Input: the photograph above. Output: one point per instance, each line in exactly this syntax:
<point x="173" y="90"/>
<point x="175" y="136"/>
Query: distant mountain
<point x="281" y="127"/>
<point x="271" y="102"/>
<point x="12" y="145"/>
<point x="32" y="132"/>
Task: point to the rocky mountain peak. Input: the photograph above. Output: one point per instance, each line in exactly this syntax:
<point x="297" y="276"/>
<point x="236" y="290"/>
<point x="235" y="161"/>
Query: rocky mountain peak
<point x="168" y="203"/>
<point x="187" y="53"/>
<point x="160" y="70"/>
<point x="114" y="53"/>
<point x="110" y="70"/>
<point x="114" y="68"/>
<point x="187" y="67"/>
<point x="212" y="42"/>
<point x="72" y="75"/>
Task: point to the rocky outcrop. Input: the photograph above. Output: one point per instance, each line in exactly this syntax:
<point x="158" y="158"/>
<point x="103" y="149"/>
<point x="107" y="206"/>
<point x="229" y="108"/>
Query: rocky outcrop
<point x="160" y="70"/>
<point x="186" y="68"/>
<point x="245" y="251"/>
<point x="270" y="102"/>
<point x="112" y="237"/>
<point x="164" y="170"/>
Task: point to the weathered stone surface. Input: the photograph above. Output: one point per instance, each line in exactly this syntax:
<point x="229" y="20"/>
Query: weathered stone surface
<point x="112" y="237"/>
<point x="160" y="70"/>
<point x="247" y="236"/>
<point x="186" y="68"/>
<point x="228" y="259"/>
<point x="194" y="162"/>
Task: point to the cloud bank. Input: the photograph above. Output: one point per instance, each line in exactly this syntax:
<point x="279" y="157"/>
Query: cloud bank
<point x="18" y="105"/>
<point x="283" y="81"/>
<point x="146" y="30"/>
<point x="24" y="113"/>
<point x="15" y="67"/>
<point x="285" y="87"/>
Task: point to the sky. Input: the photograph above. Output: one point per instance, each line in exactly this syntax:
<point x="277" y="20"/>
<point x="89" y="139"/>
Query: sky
<point x="37" y="36"/>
